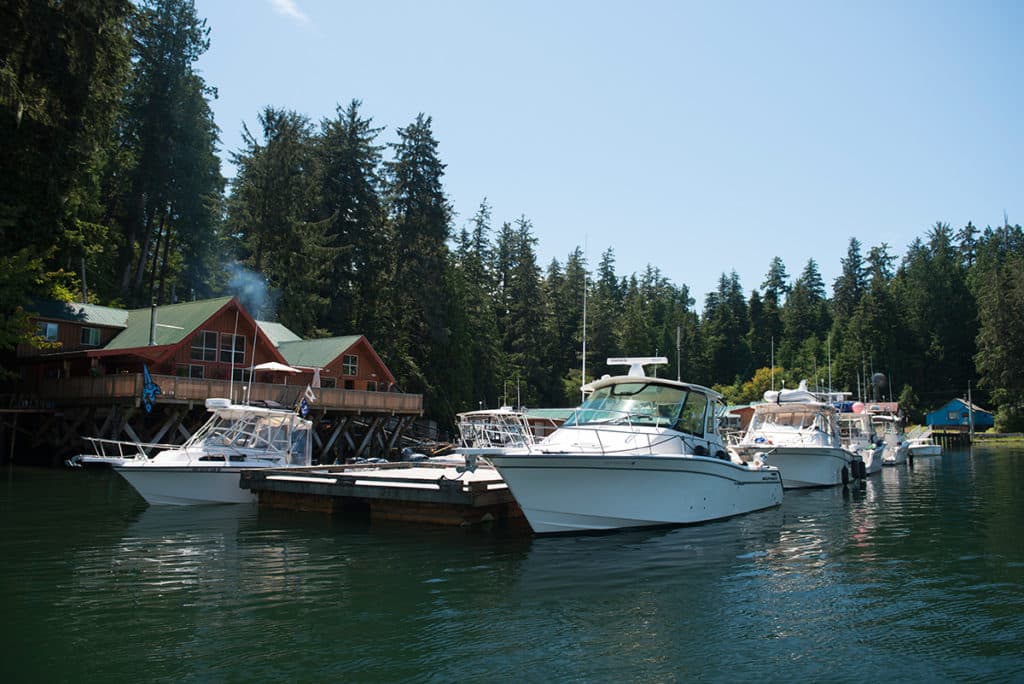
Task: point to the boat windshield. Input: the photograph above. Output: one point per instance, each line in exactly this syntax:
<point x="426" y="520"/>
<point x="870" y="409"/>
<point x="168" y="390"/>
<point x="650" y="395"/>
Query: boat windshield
<point x="645" y="404"/>
<point x="789" y="419"/>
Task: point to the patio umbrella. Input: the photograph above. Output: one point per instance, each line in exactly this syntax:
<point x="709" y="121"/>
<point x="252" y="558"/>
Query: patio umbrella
<point x="275" y="366"/>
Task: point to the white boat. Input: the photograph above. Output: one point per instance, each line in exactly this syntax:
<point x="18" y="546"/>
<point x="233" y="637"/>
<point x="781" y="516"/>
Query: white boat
<point x="205" y="469"/>
<point x="890" y="428"/>
<point x="639" y="452"/>
<point x="859" y="437"/>
<point x="923" y="446"/>
<point x="798" y="434"/>
<point x="502" y="427"/>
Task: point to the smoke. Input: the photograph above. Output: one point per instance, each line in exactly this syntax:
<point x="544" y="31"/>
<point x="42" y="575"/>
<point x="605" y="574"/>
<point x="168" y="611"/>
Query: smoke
<point x="252" y="291"/>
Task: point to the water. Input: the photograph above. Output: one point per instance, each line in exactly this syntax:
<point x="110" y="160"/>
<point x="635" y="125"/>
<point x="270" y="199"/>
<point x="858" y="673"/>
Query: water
<point x="918" y="576"/>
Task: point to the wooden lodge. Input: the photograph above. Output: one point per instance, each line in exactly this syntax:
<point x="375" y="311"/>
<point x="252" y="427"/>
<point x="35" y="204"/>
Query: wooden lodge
<point x="88" y="380"/>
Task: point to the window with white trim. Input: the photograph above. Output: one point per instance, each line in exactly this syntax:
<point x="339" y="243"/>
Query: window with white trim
<point x="241" y="375"/>
<point x="48" y="331"/>
<point x="204" y="346"/>
<point x="350" y="364"/>
<point x="229" y="342"/>
<point x="328" y="382"/>
<point x="90" y="337"/>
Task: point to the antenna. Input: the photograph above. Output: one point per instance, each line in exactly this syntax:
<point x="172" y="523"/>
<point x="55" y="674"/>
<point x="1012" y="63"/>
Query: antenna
<point x="678" y="367"/>
<point x="583" y="375"/>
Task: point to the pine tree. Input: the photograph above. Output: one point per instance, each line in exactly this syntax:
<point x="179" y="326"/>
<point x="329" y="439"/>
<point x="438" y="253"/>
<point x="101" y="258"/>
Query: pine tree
<point x="420" y="216"/>
<point x="173" y="190"/>
<point x="350" y="200"/>
<point x="272" y="217"/>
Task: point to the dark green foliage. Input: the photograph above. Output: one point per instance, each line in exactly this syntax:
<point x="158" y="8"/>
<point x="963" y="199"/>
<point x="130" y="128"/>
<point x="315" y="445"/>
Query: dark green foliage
<point x="108" y="151"/>
<point x="997" y="282"/>
<point x="168" y="203"/>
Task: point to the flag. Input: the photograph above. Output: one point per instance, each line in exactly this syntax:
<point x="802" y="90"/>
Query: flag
<point x="303" y="408"/>
<point x="308" y="394"/>
<point x="150" y="390"/>
<point x="316" y="378"/>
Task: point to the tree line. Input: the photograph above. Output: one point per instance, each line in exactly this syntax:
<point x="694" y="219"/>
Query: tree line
<point x="114" y="192"/>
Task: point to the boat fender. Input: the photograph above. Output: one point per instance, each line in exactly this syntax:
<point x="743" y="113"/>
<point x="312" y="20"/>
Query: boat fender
<point x="722" y="455"/>
<point x="700" y="450"/>
<point x="845" y="475"/>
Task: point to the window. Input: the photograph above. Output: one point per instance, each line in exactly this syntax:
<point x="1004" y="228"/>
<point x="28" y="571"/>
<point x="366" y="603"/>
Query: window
<point x="204" y="346"/>
<point x="189" y="371"/>
<point x="241" y="375"/>
<point x="371" y="386"/>
<point x="350" y="364"/>
<point x="953" y="416"/>
<point x="228" y="343"/>
<point x="349" y="384"/>
<point x="691" y="418"/>
<point x="48" y="331"/>
<point x="328" y="382"/>
<point x="91" y="337"/>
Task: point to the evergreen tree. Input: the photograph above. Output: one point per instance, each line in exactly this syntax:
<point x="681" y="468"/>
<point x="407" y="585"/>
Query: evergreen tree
<point x="932" y="282"/>
<point x="173" y="190"/>
<point x="603" y="317"/>
<point x="724" y="326"/>
<point x="273" y="221"/>
<point x="350" y="200"/>
<point x="421" y="222"/>
<point x="776" y="289"/>
<point x="472" y="268"/>
<point x="63" y="66"/>
<point x="805" y="320"/>
<point x="997" y="281"/>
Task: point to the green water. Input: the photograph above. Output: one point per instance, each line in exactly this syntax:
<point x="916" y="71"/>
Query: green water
<point x="916" y="576"/>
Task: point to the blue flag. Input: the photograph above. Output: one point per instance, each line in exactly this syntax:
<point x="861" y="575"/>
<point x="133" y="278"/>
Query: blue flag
<point x="150" y="390"/>
<point x="303" y="408"/>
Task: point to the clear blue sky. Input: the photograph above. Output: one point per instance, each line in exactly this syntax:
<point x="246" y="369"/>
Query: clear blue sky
<point x="697" y="137"/>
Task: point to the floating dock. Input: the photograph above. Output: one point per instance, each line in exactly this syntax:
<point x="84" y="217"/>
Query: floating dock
<point x="420" y="492"/>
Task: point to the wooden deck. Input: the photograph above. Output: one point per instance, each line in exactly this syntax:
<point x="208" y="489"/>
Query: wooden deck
<point x="177" y="390"/>
<point x="407" y="492"/>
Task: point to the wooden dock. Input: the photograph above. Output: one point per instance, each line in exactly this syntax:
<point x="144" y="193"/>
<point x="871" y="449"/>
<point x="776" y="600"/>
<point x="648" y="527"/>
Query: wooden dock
<point x="417" y="492"/>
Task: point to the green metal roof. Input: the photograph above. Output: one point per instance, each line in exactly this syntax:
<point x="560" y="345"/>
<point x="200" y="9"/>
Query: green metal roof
<point x="80" y="313"/>
<point x="315" y="353"/>
<point x="277" y="333"/>
<point x="173" y="323"/>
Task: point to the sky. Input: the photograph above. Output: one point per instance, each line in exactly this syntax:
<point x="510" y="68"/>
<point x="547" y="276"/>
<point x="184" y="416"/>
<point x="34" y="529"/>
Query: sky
<point x="696" y="137"/>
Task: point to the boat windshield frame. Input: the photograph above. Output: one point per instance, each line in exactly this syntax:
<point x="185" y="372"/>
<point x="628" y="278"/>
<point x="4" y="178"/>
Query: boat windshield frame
<point x="640" y="402"/>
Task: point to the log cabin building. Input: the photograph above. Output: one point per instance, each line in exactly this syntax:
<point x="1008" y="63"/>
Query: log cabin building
<point x="87" y="379"/>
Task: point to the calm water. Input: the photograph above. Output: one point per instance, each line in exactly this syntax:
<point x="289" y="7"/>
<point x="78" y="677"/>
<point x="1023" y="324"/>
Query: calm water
<point x="919" y="576"/>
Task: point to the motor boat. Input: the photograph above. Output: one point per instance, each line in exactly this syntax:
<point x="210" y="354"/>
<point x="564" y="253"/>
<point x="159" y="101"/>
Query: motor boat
<point x="639" y="452"/>
<point x="890" y="427"/>
<point x="205" y="469"/>
<point x="799" y="434"/>
<point x="924" y="445"/>
<point x="859" y="437"/>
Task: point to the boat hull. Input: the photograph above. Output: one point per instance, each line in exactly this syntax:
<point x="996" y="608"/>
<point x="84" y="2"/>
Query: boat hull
<point x="804" y="467"/>
<point x="565" y="493"/>
<point x="895" y="454"/>
<point x="186" y="485"/>
<point x="925" y="450"/>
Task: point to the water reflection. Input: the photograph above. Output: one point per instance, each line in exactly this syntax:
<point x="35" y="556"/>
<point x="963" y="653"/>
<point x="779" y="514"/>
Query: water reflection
<point x="918" y="573"/>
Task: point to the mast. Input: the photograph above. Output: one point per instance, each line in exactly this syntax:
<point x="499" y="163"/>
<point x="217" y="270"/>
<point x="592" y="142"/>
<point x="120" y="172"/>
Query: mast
<point x="583" y="373"/>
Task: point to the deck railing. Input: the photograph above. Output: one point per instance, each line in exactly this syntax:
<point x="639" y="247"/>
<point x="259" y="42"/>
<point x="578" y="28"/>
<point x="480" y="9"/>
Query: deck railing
<point x="174" y="389"/>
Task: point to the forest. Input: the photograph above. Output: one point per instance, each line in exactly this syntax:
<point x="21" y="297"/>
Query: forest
<point x="113" y="193"/>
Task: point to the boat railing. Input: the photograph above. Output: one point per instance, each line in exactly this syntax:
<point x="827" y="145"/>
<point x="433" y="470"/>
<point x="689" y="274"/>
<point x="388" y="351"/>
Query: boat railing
<point x="114" y="448"/>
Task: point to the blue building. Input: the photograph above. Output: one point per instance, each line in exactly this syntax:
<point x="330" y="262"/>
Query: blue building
<point x="956" y="414"/>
